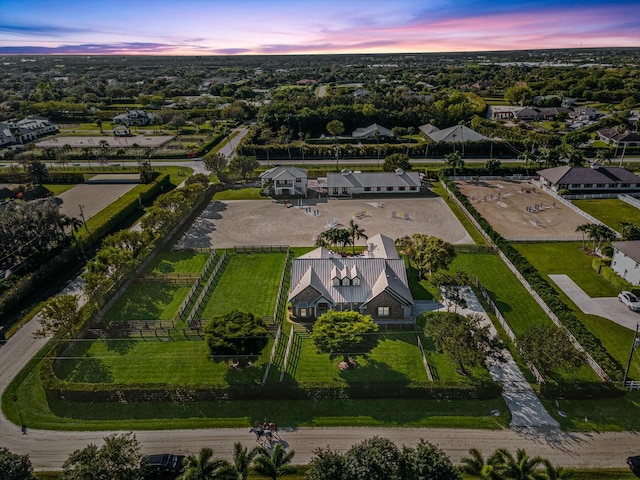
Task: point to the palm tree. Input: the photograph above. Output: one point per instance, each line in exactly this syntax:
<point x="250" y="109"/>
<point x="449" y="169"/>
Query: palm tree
<point x="630" y="231"/>
<point x="522" y="467"/>
<point x="489" y="469"/>
<point x="556" y="473"/>
<point x="274" y="464"/>
<point x="493" y="164"/>
<point x="584" y="228"/>
<point x="604" y="155"/>
<point x="203" y="467"/>
<point x="454" y="160"/>
<point x="356" y="233"/>
<point x="242" y="458"/>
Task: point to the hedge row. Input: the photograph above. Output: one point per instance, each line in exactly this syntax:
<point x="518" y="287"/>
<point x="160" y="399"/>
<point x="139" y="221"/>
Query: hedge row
<point x="209" y="144"/>
<point x="588" y="340"/>
<point x="616" y="280"/>
<point x="571" y="390"/>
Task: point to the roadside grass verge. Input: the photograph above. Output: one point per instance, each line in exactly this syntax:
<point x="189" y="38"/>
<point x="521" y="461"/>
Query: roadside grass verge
<point x="148" y="301"/>
<point x="249" y="283"/>
<point x="561" y="258"/>
<point x="187" y="261"/>
<point x="610" y="211"/>
<point x="240" y="194"/>
<point x="466" y="223"/>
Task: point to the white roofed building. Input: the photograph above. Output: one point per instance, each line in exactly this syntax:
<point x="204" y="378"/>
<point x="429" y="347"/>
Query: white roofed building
<point x="285" y="181"/>
<point x="347" y="183"/>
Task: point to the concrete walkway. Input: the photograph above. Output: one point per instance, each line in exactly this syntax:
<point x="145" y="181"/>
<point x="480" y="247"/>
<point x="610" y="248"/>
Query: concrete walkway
<point x="526" y="409"/>
<point x="606" y="307"/>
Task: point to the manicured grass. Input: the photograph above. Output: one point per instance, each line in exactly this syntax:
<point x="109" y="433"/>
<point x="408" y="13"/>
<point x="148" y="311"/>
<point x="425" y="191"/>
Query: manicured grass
<point x="148" y="301"/>
<point x="549" y="258"/>
<point x="250" y="282"/>
<point x="178" y="262"/>
<point x="57" y="189"/>
<point x="566" y="258"/>
<point x="420" y="289"/>
<point x="609" y="211"/>
<point x="240" y="194"/>
<point x="466" y="223"/>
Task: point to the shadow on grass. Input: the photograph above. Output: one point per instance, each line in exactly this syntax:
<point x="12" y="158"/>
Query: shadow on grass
<point x="372" y="371"/>
<point x="83" y="367"/>
<point x="142" y="303"/>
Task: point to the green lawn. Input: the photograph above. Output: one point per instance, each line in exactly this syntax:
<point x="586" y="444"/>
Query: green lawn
<point x="240" y="194"/>
<point x="148" y="301"/>
<point x="57" y="189"/>
<point x="250" y="282"/>
<point x="609" y="211"/>
<point x="186" y="261"/>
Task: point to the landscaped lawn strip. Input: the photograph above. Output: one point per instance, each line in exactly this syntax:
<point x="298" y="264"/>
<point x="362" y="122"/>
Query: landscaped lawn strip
<point x="148" y="301"/>
<point x="187" y="261"/>
<point x="250" y="283"/>
<point x="560" y="258"/>
<point x="610" y="211"/>
<point x="518" y="307"/>
<point x="241" y="194"/>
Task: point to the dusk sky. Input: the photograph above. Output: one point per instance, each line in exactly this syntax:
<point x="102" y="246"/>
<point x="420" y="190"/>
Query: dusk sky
<point x="212" y="27"/>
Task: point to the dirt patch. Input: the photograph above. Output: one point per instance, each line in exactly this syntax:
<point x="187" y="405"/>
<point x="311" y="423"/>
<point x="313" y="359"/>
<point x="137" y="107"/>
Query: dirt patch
<point x="519" y="210"/>
<point x="231" y="223"/>
<point x="92" y="197"/>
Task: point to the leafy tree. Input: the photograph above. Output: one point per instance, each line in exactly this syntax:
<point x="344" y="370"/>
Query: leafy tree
<point x="335" y="128"/>
<point x="454" y="160"/>
<point x="477" y="465"/>
<point x="519" y="94"/>
<point x="343" y="333"/>
<point x="522" y="466"/>
<point x="14" y="466"/>
<point x="463" y="338"/>
<point x="426" y="461"/>
<point x="549" y="348"/>
<point x="493" y="164"/>
<point x="38" y="172"/>
<point x="333" y="237"/>
<point x="243" y="166"/>
<point x="396" y="160"/>
<point x="204" y="467"/>
<point x="604" y="155"/>
<point x="216" y="162"/>
<point x="275" y="463"/>
<point x="373" y="459"/>
<point x="60" y="314"/>
<point x="573" y="156"/>
<point x="147" y="174"/>
<point x="429" y="254"/>
<point x="242" y="458"/>
<point x="630" y="231"/>
<point x="199" y="178"/>
<point x="236" y="334"/>
<point x="326" y="465"/>
<point x="118" y="459"/>
<point x="356" y="233"/>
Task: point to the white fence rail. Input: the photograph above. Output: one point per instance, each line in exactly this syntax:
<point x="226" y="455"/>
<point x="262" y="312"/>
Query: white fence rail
<point x="545" y="238"/>
<point x="630" y="200"/>
<point x="273" y="354"/>
<point x="632" y="385"/>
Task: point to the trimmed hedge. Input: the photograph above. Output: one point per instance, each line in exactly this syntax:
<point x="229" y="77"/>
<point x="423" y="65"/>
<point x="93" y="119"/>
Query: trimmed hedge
<point x="569" y="390"/>
<point x="588" y="340"/>
<point x="616" y="280"/>
<point x="208" y="145"/>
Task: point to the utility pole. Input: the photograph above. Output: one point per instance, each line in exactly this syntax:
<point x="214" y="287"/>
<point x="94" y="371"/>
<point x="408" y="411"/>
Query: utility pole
<point x="84" y="222"/>
<point x="634" y="345"/>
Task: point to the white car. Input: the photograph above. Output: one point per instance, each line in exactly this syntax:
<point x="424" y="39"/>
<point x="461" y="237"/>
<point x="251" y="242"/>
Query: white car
<point x="630" y="300"/>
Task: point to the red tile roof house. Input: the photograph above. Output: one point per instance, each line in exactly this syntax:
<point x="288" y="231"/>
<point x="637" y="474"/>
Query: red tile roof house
<point x="374" y="283"/>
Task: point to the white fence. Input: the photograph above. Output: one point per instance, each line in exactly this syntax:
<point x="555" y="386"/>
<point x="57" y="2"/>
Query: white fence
<point x="205" y="288"/>
<point x="273" y="354"/>
<point x="587" y="196"/>
<point x="545" y="238"/>
<point x="630" y="200"/>
<point x="632" y="385"/>
<point x="424" y="359"/>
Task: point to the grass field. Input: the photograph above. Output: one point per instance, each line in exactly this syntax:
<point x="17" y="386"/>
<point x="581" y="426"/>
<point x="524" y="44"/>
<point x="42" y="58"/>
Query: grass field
<point x="178" y="262"/>
<point x="148" y="301"/>
<point x="57" y="189"/>
<point x="609" y="211"/>
<point x="241" y="194"/>
<point x="250" y="282"/>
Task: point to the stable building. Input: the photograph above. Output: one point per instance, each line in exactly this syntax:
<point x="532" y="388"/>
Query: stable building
<point x="594" y="179"/>
<point x="348" y="183"/>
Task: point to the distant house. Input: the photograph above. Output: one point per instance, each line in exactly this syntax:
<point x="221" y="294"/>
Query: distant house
<point x="371" y="131"/>
<point x="594" y="179"/>
<point x="134" y="117"/>
<point x="626" y="260"/>
<point x="26" y="130"/>
<point x="121" y="131"/>
<point x="611" y="136"/>
<point x="585" y="113"/>
<point x="374" y="283"/>
<point x="455" y="134"/>
<point x="347" y="183"/>
<point x="285" y="181"/>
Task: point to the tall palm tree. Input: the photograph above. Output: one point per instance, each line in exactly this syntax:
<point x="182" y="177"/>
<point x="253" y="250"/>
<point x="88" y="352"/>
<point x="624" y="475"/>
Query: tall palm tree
<point x="487" y="469"/>
<point x="556" y="473"/>
<point x="584" y="228"/>
<point x="275" y="463"/>
<point x="454" y="160"/>
<point x="204" y="467"/>
<point x="242" y="458"/>
<point x="604" y="155"/>
<point x="522" y="467"/>
<point x="356" y="233"/>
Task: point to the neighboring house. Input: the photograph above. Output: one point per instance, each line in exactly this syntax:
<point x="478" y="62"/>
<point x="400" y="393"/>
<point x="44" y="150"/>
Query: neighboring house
<point x="427" y="129"/>
<point x="611" y="136"/>
<point x="457" y="133"/>
<point x="134" y="117"/>
<point x="626" y="260"/>
<point x="594" y="179"/>
<point x="26" y="130"/>
<point x="374" y="283"/>
<point x="371" y="131"/>
<point x="584" y="113"/>
<point x="348" y="183"/>
<point x="285" y="181"/>
<point x="121" y="131"/>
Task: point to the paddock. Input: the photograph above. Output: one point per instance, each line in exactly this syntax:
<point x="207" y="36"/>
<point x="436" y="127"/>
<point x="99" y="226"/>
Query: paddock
<point x="93" y="197"/>
<point x="231" y="223"/>
<point x="520" y="210"/>
<point x="139" y="141"/>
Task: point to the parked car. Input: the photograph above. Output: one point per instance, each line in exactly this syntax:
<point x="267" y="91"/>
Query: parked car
<point x="163" y="466"/>
<point x="630" y="300"/>
<point x="634" y="465"/>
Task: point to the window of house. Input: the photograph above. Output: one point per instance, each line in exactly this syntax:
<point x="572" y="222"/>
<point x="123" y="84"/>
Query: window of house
<point x="383" y="311"/>
<point x="367" y="189"/>
<point x="401" y="189"/>
<point x="575" y="185"/>
<point x="389" y="189"/>
<point x="600" y="185"/>
<point x="413" y="188"/>
<point x="378" y="189"/>
<point x="335" y="190"/>
<point x="336" y="282"/>
<point x="303" y="312"/>
<point x="624" y="185"/>
<point x="355" y="281"/>
<point x="588" y="185"/>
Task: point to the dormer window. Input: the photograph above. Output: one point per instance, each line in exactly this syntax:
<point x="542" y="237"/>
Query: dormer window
<point x="355" y="281"/>
<point x="336" y="282"/>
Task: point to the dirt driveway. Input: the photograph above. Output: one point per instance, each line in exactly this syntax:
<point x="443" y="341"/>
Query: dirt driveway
<point x="518" y="210"/>
<point x="266" y="222"/>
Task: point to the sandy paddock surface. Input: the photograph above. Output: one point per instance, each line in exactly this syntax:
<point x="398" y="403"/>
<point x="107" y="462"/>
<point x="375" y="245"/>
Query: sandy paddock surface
<point x="231" y="223"/>
<point x="517" y="209"/>
<point x="116" y="142"/>
<point x="92" y="197"/>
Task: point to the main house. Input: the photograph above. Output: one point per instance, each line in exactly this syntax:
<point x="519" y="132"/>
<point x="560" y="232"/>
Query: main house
<point x="134" y="117"/>
<point x="374" y="283"/>
<point x="285" y="181"/>
<point x="347" y="183"/>
<point x="594" y="179"/>
<point x="626" y="260"/>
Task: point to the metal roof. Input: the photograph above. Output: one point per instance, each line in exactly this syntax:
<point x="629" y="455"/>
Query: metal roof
<point x="587" y="175"/>
<point x="630" y="248"/>
<point x="373" y="179"/>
